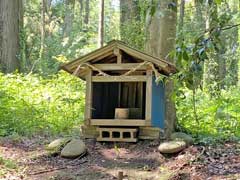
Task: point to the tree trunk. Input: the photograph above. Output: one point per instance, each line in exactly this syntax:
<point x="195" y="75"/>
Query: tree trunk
<point x="9" y="35"/>
<point x="69" y="16"/>
<point x="181" y="17"/>
<point x="25" y="64"/>
<point x="233" y="65"/>
<point x="211" y="65"/>
<point x="86" y="17"/>
<point x="42" y="28"/>
<point x="81" y="11"/>
<point x="101" y="24"/>
<point x="200" y="25"/>
<point x="161" y="31"/>
<point x="129" y="13"/>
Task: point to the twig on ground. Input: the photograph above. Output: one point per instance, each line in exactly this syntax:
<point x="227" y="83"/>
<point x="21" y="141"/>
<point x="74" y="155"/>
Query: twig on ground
<point x="56" y="169"/>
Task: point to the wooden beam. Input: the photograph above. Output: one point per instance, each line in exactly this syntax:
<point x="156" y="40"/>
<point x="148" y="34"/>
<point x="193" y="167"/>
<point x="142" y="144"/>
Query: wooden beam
<point x="148" y="110"/>
<point x="117" y="122"/>
<point x="88" y="99"/>
<point x="118" y="53"/>
<point x="143" y="56"/>
<point x="124" y="66"/>
<point x="119" y="78"/>
<point x="102" y="52"/>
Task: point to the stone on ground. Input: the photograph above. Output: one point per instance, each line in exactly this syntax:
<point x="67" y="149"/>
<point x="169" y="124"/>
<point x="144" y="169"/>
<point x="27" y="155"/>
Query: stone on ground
<point x="74" y="148"/>
<point x="182" y="136"/>
<point x="172" y="146"/>
<point x="56" y="145"/>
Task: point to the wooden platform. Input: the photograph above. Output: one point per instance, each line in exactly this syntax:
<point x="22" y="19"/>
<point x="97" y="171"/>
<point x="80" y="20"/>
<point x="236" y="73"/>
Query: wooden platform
<point x="117" y="122"/>
<point x="117" y="134"/>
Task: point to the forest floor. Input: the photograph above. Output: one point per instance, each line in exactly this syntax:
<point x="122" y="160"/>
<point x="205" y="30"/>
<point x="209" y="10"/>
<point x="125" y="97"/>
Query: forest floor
<point x="27" y="159"/>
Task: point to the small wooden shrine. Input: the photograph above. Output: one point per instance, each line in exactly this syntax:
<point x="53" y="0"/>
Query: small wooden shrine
<point x="123" y="101"/>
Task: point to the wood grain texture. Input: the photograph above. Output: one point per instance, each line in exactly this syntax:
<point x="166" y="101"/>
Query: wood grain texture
<point x="119" y="78"/>
<point x="117" y="122"/>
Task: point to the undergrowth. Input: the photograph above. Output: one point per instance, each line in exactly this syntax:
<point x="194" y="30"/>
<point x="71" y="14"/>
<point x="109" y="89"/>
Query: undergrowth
<point x="31" y="104"/>
<point x="218" y="119"/>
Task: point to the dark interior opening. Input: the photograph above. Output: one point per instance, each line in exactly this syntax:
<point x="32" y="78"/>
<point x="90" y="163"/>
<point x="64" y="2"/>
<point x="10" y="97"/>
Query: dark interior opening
<point x="105" y="134"/>
<point x="110" y="95"/>
<point x="115" y="134"/>
<point x="126" y="134"/>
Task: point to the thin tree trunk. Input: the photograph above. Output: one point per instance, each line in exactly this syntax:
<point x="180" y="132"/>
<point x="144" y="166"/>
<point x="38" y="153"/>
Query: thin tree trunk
<point x="233" y="66"/>
<point x="43" y="10"/>
<point x="69" y="16"/>
<point x="161" y="28"/>
<point x="129" y="13"/>
<point x="101" y="24"/>
<point x="25" y="64"/>
<point x="211" y="65"/>
<point x="181" y="16"/>
<point x="9" y="35"/>
<point x="86" y="17"/>
<point x="81" y="11"/>
<point x="200" y="25"/>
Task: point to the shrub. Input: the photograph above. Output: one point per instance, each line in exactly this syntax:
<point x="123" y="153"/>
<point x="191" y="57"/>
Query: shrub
<point x="31" y="104"/>
<point x="216" y="117"/>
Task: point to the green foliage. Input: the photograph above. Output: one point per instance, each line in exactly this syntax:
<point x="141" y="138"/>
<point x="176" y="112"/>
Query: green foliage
<point x="31" y="104"/>
<point x="7" y="163"/>
<point x="219" y="117"/>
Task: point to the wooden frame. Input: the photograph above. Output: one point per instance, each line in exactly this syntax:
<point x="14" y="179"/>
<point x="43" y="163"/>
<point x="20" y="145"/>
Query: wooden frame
<point x="118" y="122"/>
<point x="137" y="78"/>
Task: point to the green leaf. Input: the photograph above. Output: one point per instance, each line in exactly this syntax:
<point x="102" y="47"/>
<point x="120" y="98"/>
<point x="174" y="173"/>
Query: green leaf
<point x="218" y="1"/>
<point x="185" y="55"/>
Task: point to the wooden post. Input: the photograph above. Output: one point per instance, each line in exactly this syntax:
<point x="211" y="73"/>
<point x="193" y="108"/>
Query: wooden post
<point x="148" y="110"/>
<point x="118" y="53"/>
<point x="88" y="100"/>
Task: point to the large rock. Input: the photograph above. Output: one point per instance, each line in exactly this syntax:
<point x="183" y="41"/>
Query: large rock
<point x="73" y="149"/>
<point x="56" y="145"/>
<point x="172" y="146"/>
<point x="182" y="136"/>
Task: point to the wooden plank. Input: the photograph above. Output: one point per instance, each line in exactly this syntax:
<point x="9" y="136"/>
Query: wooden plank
<point x="88" y="99"/>
<point x="140" y="97"/>
<point x="119" y="94"/>
<point x="124" y="95"/>
<point x="119" y="78"/>
<point x="148" y="108"/>
<point x="117" y="122"/>
<point x="123" y="66"/>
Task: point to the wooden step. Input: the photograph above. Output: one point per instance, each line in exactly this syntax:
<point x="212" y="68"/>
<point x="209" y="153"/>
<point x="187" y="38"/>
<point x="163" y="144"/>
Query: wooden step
<point x="117" y="134"/>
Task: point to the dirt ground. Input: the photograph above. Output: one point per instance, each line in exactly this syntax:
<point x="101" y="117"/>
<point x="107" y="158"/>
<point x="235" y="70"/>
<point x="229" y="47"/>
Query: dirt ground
<point x="27" y="159"/>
